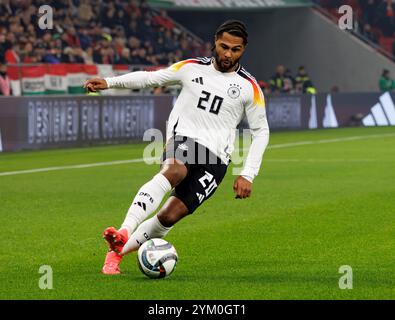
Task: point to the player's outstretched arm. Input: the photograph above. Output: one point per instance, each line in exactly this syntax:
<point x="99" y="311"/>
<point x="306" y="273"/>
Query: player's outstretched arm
<point x="95" y="84"/>
<point x="144" y="79"/>
<point x="138" y="79"/>
<point x="242" y="188"/>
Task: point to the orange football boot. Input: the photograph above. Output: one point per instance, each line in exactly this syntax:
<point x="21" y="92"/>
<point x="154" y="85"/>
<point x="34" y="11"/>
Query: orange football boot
<point x="115" y="240"/>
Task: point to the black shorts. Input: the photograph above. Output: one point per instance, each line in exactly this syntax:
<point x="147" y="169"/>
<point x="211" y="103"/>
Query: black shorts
<point x="205" y="171"/>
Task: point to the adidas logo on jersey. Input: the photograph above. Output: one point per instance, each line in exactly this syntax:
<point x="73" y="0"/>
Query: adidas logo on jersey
<point x="198" y="80"/>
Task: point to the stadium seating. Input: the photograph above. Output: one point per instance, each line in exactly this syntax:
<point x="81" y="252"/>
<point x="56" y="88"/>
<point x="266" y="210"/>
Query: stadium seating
<point x="386" y="43"/>
<point x="90" y="38"/>
<point x="375" y="20"/>
<point x="87" y="31"/>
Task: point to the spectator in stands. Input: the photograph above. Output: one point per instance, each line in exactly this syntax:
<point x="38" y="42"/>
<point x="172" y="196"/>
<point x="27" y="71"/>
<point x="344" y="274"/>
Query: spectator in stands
<point x="5" y="84"/>
<point x="119" y="44"/>
<point x="158" y="45"/>
<point x="133" y="44"/>
<point x="46" y="39"/>
<point x="133" y="29"/>
<point x="303" y="83"/>
<point x="185" y="47"/>
<point x="85" y="12"/>
<point x="151" y="56"/>
<point x="31" y="31"/>
<point x="169" y="45"/>
<point x="121" y="19"/>
<point x="39" y="53"/>
<point x="288" y="74"/>
<point x="107" y="53"/>
<point x="163" y="20"/>
<point x="88" y="55"/>
<point x="281" y="81"/>
<point x="3" y="47"/>
<point x="149" y="31"/>
<point x="265" y="87"/>
<point x="71" y="37"/>
<point x="11" y="55"/>
<point x="386" y="83"/>
<point x="96" y="33"/>
<point x="52" y="56"/>
<point x="276" y="81"/>
<point x="5" y="8"/>
<point x="27" y="13"/>
<point x="84" y="38"/>
<point x="288" y="86"/>
<point x="79" y="55"/>
<point x="109" y="19"/>
<point x="15" y="27"/>
<point x="141" y="57"/>
<point x="367" y="32"/>
<point x="27" y="53"/>
<point x="133" y="8"/>
<point x="124" y="58"/>
<point x="369" y="11"/>
<point x="386" y="22"/>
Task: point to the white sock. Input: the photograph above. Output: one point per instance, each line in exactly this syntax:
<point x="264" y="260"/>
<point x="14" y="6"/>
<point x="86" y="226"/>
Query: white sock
<point x="149" y="229"/>
<point x="146" y="201"/>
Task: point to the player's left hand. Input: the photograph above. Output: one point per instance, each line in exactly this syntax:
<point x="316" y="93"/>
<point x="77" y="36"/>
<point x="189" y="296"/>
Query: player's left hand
<point x="242" y="187"/>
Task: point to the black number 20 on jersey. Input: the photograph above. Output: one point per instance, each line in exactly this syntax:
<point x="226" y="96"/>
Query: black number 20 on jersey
<point x="215" y="103"/>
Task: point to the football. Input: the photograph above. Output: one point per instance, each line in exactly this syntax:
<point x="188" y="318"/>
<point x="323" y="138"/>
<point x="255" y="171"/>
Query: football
<point x="157" y="258"/>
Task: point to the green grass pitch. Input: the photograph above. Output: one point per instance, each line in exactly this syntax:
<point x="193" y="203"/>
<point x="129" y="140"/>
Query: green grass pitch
<point x="323" y="199"/>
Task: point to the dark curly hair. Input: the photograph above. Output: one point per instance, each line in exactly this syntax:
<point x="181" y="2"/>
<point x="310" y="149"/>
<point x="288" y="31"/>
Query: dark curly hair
<point x="235" y="28"/>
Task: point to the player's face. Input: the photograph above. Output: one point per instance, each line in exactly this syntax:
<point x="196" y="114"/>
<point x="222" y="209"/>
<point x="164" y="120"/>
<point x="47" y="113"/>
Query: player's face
<point x="228" y="51"/>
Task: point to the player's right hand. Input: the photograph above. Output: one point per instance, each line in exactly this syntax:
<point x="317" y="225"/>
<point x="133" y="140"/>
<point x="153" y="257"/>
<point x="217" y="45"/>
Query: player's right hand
<point x="242" y="188"/>
<point x="95" y="84"/>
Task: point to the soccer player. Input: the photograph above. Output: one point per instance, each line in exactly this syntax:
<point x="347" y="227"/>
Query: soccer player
<point x="216" y="94"/>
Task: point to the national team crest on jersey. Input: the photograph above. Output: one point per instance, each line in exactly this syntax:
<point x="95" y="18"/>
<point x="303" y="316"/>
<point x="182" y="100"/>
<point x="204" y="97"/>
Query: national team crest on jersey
<point x="234" y="91"/>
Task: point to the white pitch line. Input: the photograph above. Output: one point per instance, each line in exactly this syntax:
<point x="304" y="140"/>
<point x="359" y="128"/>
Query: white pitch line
<point x="76" y="166"/>
<point x="302" y="143"/>
<point x="320" y="160"/>
<point x="110" y="163"/>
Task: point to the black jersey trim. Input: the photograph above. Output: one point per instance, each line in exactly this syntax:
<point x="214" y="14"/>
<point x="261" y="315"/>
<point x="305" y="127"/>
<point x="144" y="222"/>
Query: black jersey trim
<point x="204" y="61"/>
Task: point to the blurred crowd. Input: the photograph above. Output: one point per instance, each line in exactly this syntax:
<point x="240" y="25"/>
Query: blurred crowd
<point x="283" y="81"/>
<point x="93" y="31"/>
<point x="108" y="32"/>
<point x="374" y="19"/>
<point x="377" y="18"/>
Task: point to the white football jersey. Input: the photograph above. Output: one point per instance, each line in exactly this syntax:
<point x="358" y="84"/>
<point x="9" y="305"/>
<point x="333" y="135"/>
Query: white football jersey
<point x="210" y="106"/>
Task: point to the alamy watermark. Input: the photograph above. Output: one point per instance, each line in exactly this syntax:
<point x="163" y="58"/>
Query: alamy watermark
<point x="45" y="20"/>
<point x="346" y="21"/>
<point x="346" y="280"/>
<point x="46" y="280"/>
